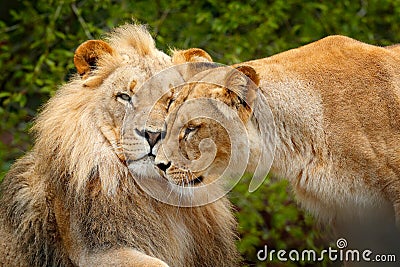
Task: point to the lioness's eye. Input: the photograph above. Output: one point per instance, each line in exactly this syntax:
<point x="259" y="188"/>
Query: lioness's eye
<point x="124" y="97"/>
<point x="190" y="129"/>
<point x="169" y="103"/>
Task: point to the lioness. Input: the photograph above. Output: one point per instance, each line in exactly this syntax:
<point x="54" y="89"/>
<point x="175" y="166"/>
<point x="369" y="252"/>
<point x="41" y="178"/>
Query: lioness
<point x="335" y="128"/>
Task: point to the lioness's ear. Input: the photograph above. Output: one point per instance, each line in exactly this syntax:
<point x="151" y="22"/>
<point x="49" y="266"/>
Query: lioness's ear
<point x="190" y="55"/>
<point x="199" y="58"/>
<point x="87" y="54"/>
<point x="249" y="72"/>
<point x="243" y="81"/>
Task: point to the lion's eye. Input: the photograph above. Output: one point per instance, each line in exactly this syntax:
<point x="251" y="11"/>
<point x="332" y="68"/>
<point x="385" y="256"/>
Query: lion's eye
<point x="124" y="96"/>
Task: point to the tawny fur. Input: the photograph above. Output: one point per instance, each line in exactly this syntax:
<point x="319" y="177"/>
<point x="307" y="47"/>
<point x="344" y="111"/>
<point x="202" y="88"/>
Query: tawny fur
<point x="72" y="201"/>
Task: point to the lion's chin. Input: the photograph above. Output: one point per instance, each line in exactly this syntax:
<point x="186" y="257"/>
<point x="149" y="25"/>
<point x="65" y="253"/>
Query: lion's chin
<point x="197" y="181"/>
<point x="143" y="168"/>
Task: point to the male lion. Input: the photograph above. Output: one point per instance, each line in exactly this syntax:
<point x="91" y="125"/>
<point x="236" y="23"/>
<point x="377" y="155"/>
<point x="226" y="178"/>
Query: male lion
<point x="72" y="201"/>
<point x="335" y="125"/>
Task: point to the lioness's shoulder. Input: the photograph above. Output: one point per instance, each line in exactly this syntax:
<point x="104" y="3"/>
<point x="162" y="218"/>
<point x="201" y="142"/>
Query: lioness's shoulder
<point x="330" y="54"/>
<point x="336" y="45"/>
<point x="337" y="40"/>
<point x="344" y="43"/>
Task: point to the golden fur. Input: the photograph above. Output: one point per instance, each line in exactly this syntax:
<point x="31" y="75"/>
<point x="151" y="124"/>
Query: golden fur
<point x="72" y="200"/>
<point x="336" y="126"/>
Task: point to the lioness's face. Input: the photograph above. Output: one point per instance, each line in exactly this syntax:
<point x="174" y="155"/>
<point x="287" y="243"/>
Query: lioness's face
<point x="179" y="169"/>
<point x="203" y="110"/>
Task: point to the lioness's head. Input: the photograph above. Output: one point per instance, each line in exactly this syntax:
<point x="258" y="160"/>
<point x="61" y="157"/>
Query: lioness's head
<point x="207" y="129"/>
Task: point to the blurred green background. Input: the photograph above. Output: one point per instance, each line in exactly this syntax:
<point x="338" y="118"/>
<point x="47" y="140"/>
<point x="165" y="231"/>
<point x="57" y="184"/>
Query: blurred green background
<point x="38" y="39"/>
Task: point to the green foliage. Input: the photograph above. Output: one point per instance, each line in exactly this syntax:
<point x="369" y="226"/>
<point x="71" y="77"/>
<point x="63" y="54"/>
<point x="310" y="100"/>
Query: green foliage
<point x="38" y="38"/>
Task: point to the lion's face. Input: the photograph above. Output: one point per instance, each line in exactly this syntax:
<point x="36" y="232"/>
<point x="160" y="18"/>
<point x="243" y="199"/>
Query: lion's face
<point x="132" y="140"/>
<point x="115" y="77"/>
<point x="205" y="111"/>
<point x="131" y="97"/>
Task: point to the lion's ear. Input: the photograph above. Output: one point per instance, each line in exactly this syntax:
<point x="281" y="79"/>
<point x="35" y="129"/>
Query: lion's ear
<point x="87" y="55"/>
<point x="243" y="81"/>
<point x="190" y="55"/>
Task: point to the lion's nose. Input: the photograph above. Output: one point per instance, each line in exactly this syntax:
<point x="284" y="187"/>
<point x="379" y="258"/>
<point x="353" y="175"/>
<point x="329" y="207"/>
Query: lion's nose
<point x="151" y="137"/>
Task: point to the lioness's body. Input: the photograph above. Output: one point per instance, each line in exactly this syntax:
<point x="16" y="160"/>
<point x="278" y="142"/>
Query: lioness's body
<point x="72" y="201"/>
<point x="336" y="115"/>
<point x="336" y="106"/>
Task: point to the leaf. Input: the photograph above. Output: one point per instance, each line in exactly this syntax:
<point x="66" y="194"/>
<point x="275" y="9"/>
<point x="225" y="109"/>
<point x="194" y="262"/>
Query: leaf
<point x="4" y="94"/>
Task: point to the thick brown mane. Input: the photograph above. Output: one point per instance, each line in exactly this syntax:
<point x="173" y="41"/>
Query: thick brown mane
<point x="68" y="136"/>
<point x="139" y="40"/>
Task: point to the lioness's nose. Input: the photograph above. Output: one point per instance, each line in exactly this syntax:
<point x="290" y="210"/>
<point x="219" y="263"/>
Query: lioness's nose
<point x="151" y="137"/>
<point x="161" y="161"/>
<point x="162" y="166"/>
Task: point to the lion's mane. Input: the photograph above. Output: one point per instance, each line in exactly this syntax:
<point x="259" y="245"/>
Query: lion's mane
<point x="73" y="170"/>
